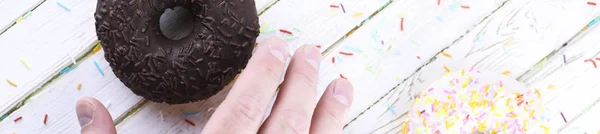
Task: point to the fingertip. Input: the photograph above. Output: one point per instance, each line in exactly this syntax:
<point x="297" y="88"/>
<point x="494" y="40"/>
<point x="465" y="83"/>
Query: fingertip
<point x="93" y="117"/>
<point x="343" y="91"/>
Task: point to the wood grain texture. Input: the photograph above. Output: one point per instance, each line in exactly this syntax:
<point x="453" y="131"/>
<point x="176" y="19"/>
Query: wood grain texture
<point x="570" y="85"/>
<point x="366" y="7"/>
<point x="383" y="54"/>
<point x="529" y="30"/>
<point x="12" y="10"/>
<point x="47" y="41"/>
<point x="58" y="100"/>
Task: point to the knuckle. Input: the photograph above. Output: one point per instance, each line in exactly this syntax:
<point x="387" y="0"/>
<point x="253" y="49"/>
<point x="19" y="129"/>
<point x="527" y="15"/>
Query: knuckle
<point x="248" y="109"/>
<point x="308" y="78"/>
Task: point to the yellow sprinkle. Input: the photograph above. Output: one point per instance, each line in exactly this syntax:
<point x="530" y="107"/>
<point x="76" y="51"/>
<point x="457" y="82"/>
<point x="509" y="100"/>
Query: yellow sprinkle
<point x="11" y="83"/>
<point x="79" y="86"/>
<point x="462" y="72"/>
<point x="447" y="54"/>
<point x="509" y="41"/>
<point x="467" y="82"/>
<point x="405" y="128"/>
<point x="487" y="88"/>
<point x="401" y="15"/>
<point x="25" y="63"/>
<point x="396" y="76"/>
<point x="20" y="19"/>
<point x="532" y="114"/>
<point x="524" y="128"/>
<point x="447" y="69"/>
<point x="504" y="126"/>
<point x="357" y="14"/>
<point x="546" y="129"/>
<point x="538" y="93"/>
<point x="507" y="72"/>
<point x="377" y="71"/>
<point x="263" y="27"/>
<point x="551" y="87"/>
<point x="333" y="12"/>
<point x="424" y="121"/>
<point x="97" y="48"/>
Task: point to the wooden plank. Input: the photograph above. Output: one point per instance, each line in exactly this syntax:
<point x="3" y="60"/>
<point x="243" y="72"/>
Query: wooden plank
<point x="519" y="26"/>
<point x="363" y="6"/>
<point x="58" y="100"/>
<point x="11" y="11"/>
<point x="316" y="25"/>
<point x="569" y="85"/>
<point x="47" y="41"/>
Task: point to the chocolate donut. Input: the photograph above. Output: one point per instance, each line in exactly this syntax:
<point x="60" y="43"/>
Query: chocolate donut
<point x="192" y="68"/>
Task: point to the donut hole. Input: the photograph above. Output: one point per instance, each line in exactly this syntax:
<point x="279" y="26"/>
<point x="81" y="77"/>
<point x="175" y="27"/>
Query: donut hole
<point x="176" y="23"/>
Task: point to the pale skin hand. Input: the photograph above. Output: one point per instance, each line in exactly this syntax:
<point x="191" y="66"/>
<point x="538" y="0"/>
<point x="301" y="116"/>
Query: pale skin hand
<point x="295" y="110"/>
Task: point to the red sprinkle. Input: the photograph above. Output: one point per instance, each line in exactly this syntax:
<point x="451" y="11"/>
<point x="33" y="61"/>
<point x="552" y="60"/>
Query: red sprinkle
<point x="591" y="3"/>
<point x="342" y="76"/>
<point x="334" y="6"/>
<point x="465" y="6"/>
<point x="190" y="122"/>
<point x="45" y="119"/>
<point x="332" y="59"/>
<point x="285" y="31"/>
<point x="419" y="57"/>
<point x="439" y="1"/>
<point x="18" y="118"/>
<point x="402" y="24"/>
<point x="346" y="53"/>
<point x="597" y="58"/>
<point x="593" y="62"/>
<point x="318" y="46"/>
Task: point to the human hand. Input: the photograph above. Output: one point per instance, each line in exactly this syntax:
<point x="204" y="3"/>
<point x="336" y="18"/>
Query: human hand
<point x="295" y="110"/>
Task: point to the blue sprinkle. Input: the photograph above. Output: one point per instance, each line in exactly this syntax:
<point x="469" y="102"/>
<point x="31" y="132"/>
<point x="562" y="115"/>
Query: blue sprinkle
<point x="391" y="109"/>
<point x="191" y="114"/>
<point x="3" y="116"/>
<point x="439" y="18"/>
<point x="593" y="22"/>
<point x="63" y="6"/>
<point x="505" y="51"/>
<point x="454" y="6"/>
<point x="65" y="70"/>
<point x="397" y="53"/>
<point x="343" y="9"/>
<point x="98" y="67"/>
<point x="350" y="48"/>
<point x="338" y="58"/>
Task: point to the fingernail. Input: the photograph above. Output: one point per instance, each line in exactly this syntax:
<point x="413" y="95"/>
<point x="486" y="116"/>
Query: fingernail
<point x="341" y="92"/>
<point x="85" y="113"/>
<point x="278" y="48"/>
<point x="312" y="55"/>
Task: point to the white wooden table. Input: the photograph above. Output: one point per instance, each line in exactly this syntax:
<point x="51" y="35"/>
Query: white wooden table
<point x="399" y="48"/>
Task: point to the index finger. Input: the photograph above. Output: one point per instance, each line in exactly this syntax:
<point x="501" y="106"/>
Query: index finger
<point x="244" y="108"/>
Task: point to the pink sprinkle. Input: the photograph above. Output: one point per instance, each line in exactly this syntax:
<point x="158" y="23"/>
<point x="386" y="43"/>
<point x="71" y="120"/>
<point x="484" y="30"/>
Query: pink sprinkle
<point x="449" y="92"/>
<point x="470" y="70"/>
<point x="456" y="81"/>
<point x="477" y="81"/>
<point x="501" y="83"/>
<point x="431" y="89"/>
<point x="432" y="108"/>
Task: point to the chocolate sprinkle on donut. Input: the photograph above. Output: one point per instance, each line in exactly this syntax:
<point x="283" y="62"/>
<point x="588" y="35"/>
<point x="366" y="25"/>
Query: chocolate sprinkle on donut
<point x="176" y="71"/>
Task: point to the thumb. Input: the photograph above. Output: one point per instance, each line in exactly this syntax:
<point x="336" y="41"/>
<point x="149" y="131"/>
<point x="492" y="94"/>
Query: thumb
<point x="93" y="117"/>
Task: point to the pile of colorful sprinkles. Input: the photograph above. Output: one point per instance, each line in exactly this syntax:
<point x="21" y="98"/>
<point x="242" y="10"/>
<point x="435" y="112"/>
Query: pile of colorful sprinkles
<point x="469" y="102"/>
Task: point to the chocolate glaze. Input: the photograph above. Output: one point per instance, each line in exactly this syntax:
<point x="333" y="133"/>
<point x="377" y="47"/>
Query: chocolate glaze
<point x="176" y="71"/>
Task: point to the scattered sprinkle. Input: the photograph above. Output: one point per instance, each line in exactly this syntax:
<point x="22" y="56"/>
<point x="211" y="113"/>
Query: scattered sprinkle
<point x="402" y="24"/>
<point x="319" y="46"/>
<point x="342" y="76"/>
<point x="291" y="37"/>
<point x="45" y="118"/>
<point x="465" y="7"/>
<point x="565" y="59"/>
<point x="505" y="50"/>
<point x="439" y="2"/>
<point x="563" y="117"/>
<point x="597" y="58"/>
<point x="332" y="59"/>
<point x="507" y="72"/>
<point x="191" y="114"/>
<point x="334" y="6"/>
<point x="25" y="63"/>
<point x="593" y="62"/>
<point x="591" y="3"/>
<point x="18" y="118"/>
<point x="297" y="29"/>
<point x="263" y="27"/>
<point x="11" y="83"/>
<point x="346" y="53"/>
<point x="343" y="9"/>
<point x="551" y="87"/>
<point x="439" y="18"/>
<point x="419" y="57"/>
<point x="66" y="70"/>
<point x="391" y="109"/>
<point x="79" y="86"/>
<point x="98" y="67"/>
<point x="447" y="54"/>
<point x="447" y="69"/>
<point x="357" y="14"/>
<point x="63" y="6"/>
<point x="285" y="31"/>
<point x="190" y="122"/>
